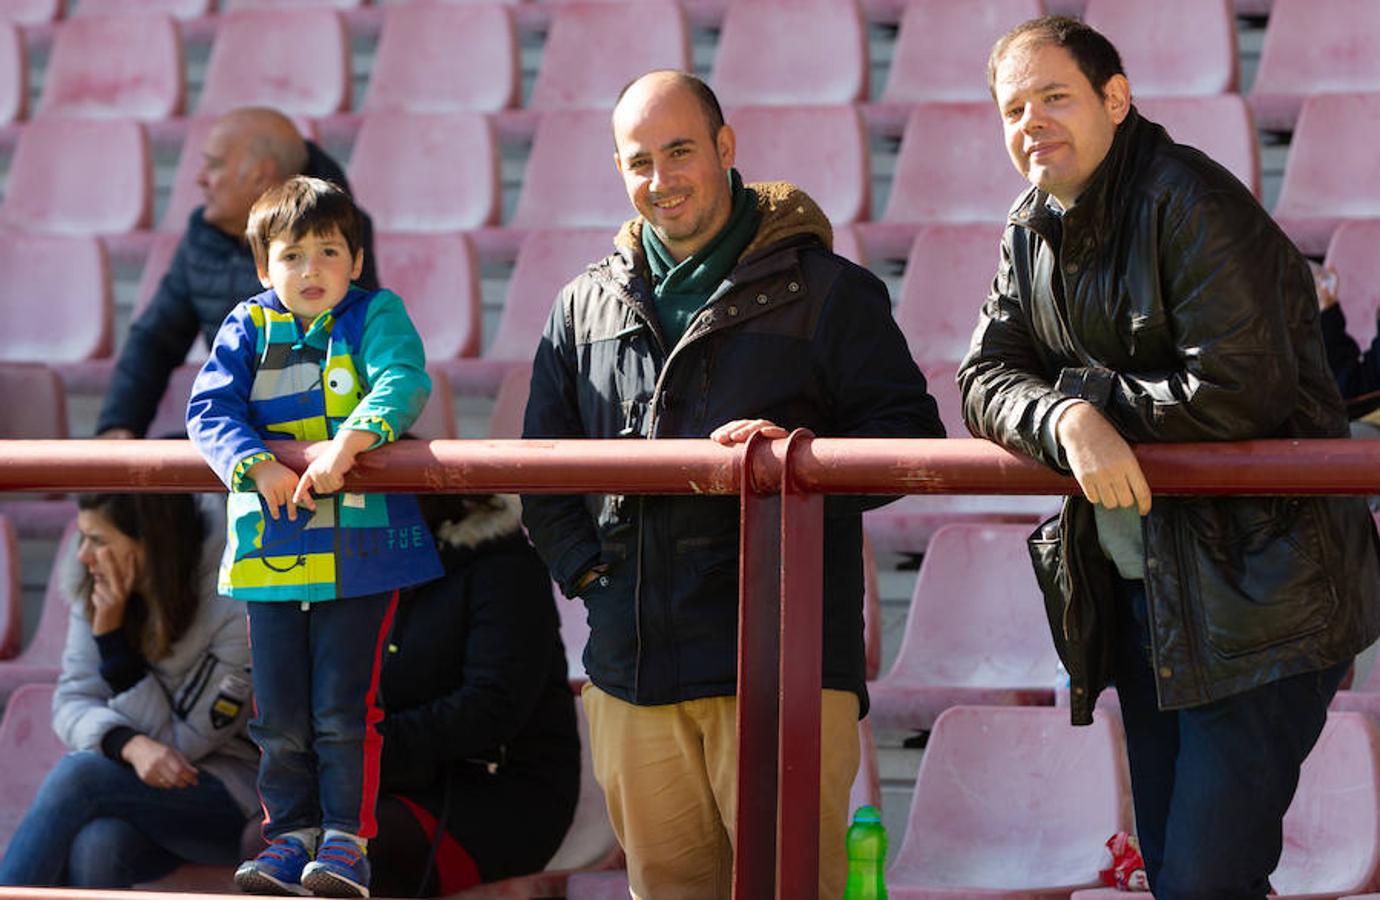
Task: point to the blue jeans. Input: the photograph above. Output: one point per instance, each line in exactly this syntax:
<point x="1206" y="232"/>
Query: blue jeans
<point x="1212" y="783"/>
<point x="94" y="824"/>
<point x="316" y="676"/>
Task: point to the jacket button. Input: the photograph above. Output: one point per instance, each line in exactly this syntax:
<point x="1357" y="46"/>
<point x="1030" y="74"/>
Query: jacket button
<point x="1071" y="268"/>
<point x="603" y="581"/>
<point x="793" y="287"/>
<point x="733" y="310"/>
<point x="761" y="299"/>
<point x="1166" y="672"/>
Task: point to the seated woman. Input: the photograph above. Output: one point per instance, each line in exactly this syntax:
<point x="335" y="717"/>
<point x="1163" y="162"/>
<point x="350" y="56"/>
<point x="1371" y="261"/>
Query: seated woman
<point x="153" y="698"/>
<point x="479" y="728"/>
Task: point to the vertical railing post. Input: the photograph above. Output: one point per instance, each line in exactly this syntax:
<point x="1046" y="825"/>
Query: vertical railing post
<point x="800" y="659"/>
<point x="759" y="649"/>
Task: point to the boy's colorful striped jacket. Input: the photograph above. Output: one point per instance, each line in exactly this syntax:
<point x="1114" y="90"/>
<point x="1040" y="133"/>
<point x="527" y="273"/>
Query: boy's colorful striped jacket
<point x="359" y="365"/>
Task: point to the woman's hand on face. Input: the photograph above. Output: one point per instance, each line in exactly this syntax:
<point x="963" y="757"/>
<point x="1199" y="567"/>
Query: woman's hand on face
<point x="157" y="764"/>
<point x="113" y="575"/>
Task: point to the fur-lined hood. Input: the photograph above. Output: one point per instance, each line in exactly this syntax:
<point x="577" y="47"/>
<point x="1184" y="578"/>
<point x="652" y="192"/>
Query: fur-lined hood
<point x="786" y="212"/>
<point x="489" y="517"/>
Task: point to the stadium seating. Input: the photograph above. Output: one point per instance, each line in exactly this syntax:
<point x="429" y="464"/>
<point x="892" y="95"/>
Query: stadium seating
<point x="572" y="180"/>
<point x="118" y="66"/>
<point x="170" y="419"/>
<point x="50" y="187"/>
<point x="445" y="58"/>
<point x="30" y="12"/>
<point x="427" y="171"/>
<point x="59" y="286"/>
<point x="1331" y="173"/>
<point x="848" y="245"/>
<point x="438" y="278"/>
<point x="161" y="249"/>
<point x="42" y="411"/>
<point x="1220" y="125"/>
<point x="948" y="274"/>
<point x="942" y="47"/>
<point x="11" y="586"/>
<point x="14" y="74"/>
<point x="40" y="661"/>
<point x="545" y="262"/>
<point x="510" y="402"/>
<point x="1352" y="253"/>
<point x="593" y="49"/>
<point x="1172" y="46"/>
<point x="821" y="149"/>
<point x="295" y="60"/>
<point x="1313" y="47"/>
<point x="574" y="635"/>
<point x="233" y="5"/>
<point x="178" y="9"/>
<point x="791" y="52"/>
<point x="1012" y="802"/>
<point x="976" y="632"/>
<point x="437" y="421"/>
<point x="29" y="748"/>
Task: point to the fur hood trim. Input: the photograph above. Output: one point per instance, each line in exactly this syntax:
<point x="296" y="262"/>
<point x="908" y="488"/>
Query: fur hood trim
<point x="491" y="517"/>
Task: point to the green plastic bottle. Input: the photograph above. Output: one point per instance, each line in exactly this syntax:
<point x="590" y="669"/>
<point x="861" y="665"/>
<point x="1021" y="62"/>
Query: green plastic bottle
<point x="866" y="856"/>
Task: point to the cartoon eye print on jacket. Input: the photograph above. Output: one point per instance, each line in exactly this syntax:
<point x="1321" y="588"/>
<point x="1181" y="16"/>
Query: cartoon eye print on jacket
<point x="343" y="389"/>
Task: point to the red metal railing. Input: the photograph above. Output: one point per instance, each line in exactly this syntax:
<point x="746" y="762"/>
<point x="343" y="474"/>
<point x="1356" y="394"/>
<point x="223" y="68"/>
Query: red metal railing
<point x="780" y="484"/>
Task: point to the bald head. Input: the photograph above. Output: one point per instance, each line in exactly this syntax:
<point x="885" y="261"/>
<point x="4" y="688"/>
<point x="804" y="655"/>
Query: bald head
<point x="649" y="85"/>
<point x="247" y="151"/>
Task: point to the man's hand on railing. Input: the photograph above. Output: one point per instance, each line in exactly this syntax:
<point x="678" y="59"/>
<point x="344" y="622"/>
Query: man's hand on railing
<point x="739" y="430"/>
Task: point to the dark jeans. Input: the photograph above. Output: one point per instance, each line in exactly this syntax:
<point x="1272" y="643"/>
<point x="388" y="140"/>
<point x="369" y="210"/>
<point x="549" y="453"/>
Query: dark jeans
<point x="94" y="824"/>
<point x="316" y="678"/>
<point x="1212" y="783"/>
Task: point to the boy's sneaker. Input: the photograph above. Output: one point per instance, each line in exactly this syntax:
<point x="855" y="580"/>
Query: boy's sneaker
<point x="276" y="870"/>
<point x="341" y="869"/>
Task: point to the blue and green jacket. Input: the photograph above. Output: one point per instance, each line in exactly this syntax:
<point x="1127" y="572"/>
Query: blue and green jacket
<point x="359" y="365"/>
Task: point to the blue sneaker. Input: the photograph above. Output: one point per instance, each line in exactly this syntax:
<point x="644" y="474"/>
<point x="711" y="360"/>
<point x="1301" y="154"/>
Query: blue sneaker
<point x="341" y="869"/>
<point x="276" y="870"/>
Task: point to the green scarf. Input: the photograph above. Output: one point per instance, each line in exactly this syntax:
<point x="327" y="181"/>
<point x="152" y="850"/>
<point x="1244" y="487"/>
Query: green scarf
<point x="681" y="289"/>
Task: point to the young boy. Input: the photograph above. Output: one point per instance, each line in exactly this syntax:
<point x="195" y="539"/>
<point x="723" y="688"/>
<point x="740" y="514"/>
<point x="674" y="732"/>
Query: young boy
<point x="313" y="359"/>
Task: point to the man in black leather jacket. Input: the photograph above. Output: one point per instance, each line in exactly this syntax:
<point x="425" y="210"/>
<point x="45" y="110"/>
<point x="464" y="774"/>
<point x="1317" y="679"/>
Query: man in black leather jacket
<point x="247" y="151"/>
<point x="1144" y="296"/>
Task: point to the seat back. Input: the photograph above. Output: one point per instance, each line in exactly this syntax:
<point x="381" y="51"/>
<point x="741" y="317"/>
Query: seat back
<point x="170" y="418"/>
<point x="178" y="9"/>
<point x="941" y="49"/>
<point x="11" y="586"/>
<point x="115" y="66"/>
<point x="1332" y="828"/>
<point x="590" y="839"/>
<point x="1171" y="47"/>
<point x="1352" y="253"/>
<point x="234" y="5"/>
<point x="29" y="748"/>
<point x="821" y="149"/>
<point x="967" y="177"/>
<point x="438" y="278"/>
<point x="571" y="180"/>
<point x="948" y="274"/>
<point x="56" y="292"/>
<point x="1331" y="173"/>
<point x="594" y="49"/>
<point x="545" y="262"/>
<point x="792" y="52"/>
<point x="574" y="634"/>
<point x="427" y="171"/>
<point x="1313" y="47"/>
<point x="30" y="12"/>
<point x="1220" y="125"/>
<point x="505" y="420"/>
<point x="14" y="74"/>
<point x="51" y="188"/>
<point x="998" y="779"/>
<point x="437" y="421"/>
<point x="445" y="58"/>
<point x="867" y="784"/>
<point x="294" y="60"/>
<point x="41" y="413"/>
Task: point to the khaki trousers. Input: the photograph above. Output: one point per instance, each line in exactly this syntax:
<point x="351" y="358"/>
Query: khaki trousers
<point x="669" y="775"/>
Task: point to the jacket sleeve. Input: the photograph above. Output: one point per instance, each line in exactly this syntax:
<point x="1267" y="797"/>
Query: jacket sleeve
<point x="157" y="343"/>
<point x="81" y="710"/>
<point x="560" y="525"/>
<point x="395" y="368"/>
<point x="218" y="411"/>
<point x="511" y="621"/>
<point x="1226" y="298"/>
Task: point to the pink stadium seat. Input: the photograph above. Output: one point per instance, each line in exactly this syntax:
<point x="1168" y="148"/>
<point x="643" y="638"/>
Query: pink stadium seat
<point x="438" y="278"/>
<point x="445" y="58"/>
<point x="295" y="60"/>
<point x="66" y="277"/>
<point x="178" y="9"/>
<point x="14" y="74"/>
<point x="1172" y="46"/>
<point x="948" y="274"/>
<point x="505" y="423"/>
<point x="29" y="748"/>
<point x="574" y="634"/>
<point x="42" y="411"/>
<point x="170" y="419"/>
<point x="546" y="261"/>
<point x="1220" y="125"/>
<point x="1314" y="47"/>
<point x="792" y="52"/>
<point x="1331" y="173"/>
<point x="872" y="613"/>
<point x="41" y="659"/>
<point x="848" y="245"/>
<point x="437" y="421"/>
<point x="976" y="632"/>
<point x="594" y="49"/>
<point x="1352" y="253"/>
<point x="941" y="50"/>
<point x="426" y="171"/>
<point x="30" y="12"/>
<point x="118" y="66"/>
<point x="11" y="588"/>
<point x="50" y="187"/>
<point x="572" y="180"/>
<point x="822" y="149"/>
<point x="994" y="780"/>
<point x="234" y="5"/>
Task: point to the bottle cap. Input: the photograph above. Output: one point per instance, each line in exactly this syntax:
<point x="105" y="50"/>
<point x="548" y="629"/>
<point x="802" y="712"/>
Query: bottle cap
<point x="867" y="814"/>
